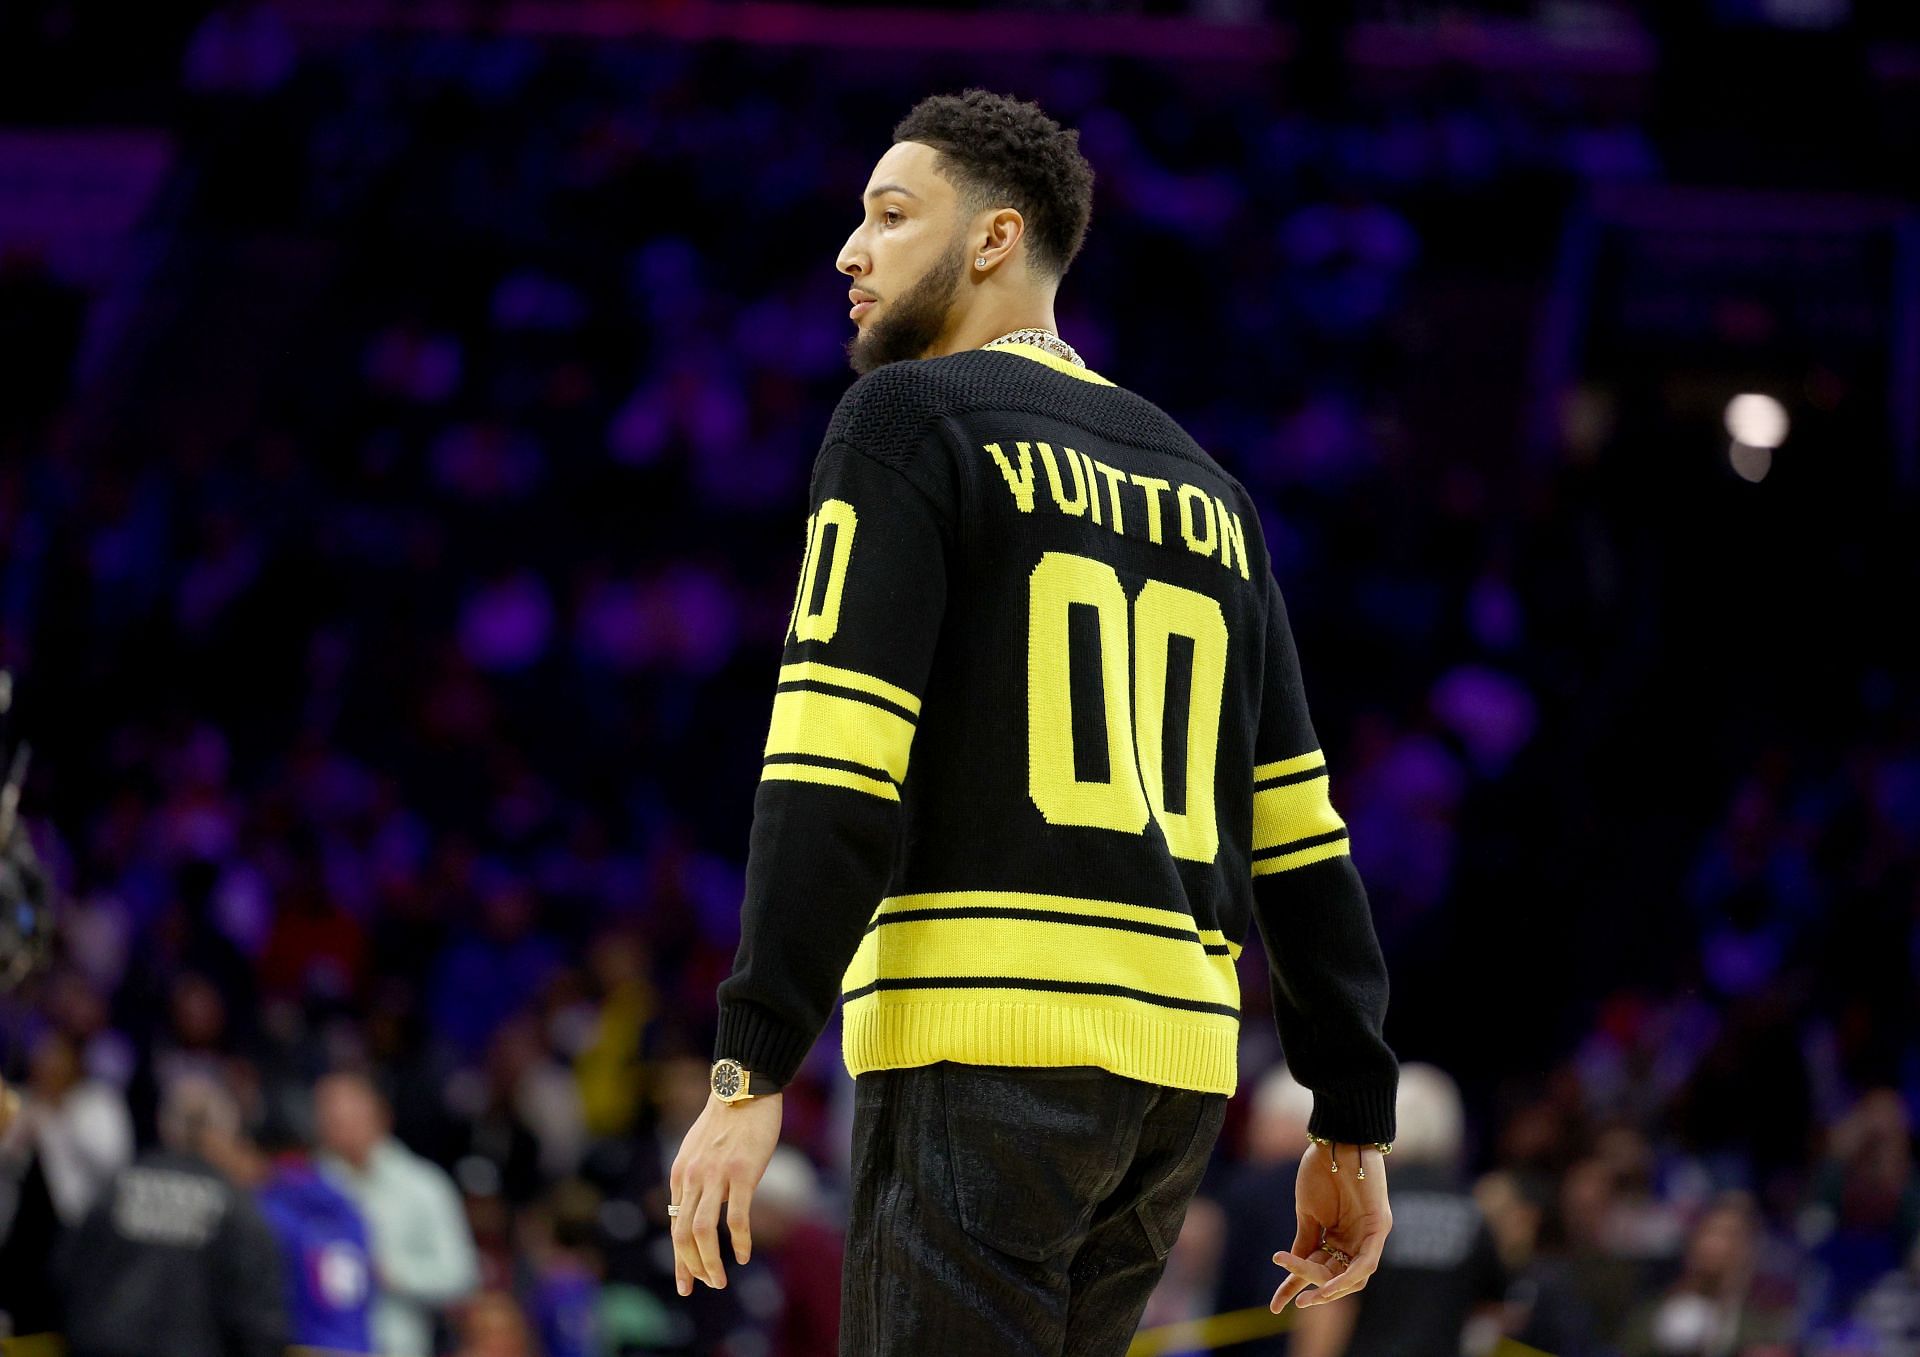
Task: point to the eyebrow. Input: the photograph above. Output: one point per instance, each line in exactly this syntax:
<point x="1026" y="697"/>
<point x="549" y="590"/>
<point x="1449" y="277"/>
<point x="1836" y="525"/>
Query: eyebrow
<point x="882" y="189"/>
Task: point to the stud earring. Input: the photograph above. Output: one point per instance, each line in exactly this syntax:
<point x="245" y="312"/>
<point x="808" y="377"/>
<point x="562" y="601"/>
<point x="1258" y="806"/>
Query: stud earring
<point x="981" y="262"/>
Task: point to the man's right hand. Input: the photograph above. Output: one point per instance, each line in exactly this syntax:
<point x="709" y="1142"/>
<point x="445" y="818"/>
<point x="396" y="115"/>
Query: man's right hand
<point x="1340" y="1211"/>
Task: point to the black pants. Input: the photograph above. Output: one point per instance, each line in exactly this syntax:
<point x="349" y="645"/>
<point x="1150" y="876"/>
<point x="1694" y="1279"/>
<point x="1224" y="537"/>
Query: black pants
<point x="1014" y="1212"/>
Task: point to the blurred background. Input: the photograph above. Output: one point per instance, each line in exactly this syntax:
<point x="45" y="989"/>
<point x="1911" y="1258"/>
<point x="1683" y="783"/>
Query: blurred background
<point x="405" y="418"/>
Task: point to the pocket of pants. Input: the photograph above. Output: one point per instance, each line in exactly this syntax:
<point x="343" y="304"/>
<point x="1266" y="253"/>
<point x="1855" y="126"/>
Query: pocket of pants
<point x="1033" y="1151"/>
<point x="1163" y="1208"/>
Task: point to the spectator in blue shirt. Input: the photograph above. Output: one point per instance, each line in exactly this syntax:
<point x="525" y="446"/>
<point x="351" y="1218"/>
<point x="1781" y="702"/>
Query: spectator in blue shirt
<point x="323" y="1238"/>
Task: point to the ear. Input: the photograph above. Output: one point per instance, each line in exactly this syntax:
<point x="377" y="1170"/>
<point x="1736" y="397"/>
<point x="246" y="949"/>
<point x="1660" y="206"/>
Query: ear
<point x="1002" y="232"/>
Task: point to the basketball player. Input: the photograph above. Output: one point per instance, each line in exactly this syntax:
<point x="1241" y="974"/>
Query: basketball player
<point x="1039" y="750"/>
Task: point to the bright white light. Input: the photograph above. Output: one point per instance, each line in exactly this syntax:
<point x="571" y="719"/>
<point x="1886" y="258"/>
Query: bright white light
<point x="1756" y="420"/>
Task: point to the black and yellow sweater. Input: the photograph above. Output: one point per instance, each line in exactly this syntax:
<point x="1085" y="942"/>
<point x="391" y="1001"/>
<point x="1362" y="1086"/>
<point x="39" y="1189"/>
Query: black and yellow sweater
<point x="1039" y="750"/>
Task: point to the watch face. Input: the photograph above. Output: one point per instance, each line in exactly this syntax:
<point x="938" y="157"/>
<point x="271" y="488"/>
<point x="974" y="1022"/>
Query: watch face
<point x="728" y="1078"/>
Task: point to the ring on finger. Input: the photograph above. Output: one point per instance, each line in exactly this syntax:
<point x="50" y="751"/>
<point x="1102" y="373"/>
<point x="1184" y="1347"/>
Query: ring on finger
<point x="1338" y="1255"/>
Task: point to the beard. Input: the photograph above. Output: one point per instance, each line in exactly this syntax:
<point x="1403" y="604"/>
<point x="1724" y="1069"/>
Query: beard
<point x="915" y="320"/>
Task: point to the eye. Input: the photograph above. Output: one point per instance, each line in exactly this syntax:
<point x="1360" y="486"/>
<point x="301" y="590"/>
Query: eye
<point x="890" y="214"/>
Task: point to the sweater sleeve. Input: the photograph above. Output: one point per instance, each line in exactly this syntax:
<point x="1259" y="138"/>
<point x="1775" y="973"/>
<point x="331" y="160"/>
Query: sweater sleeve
<point x="1328" y="975"/>
<point x="827" y="813"/>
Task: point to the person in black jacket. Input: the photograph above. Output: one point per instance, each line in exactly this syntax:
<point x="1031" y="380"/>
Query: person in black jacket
<point x="174" y="1260"/>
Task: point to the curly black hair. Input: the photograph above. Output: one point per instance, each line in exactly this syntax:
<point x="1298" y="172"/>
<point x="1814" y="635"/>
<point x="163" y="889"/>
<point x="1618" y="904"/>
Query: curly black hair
<point x="1003" y="152"/>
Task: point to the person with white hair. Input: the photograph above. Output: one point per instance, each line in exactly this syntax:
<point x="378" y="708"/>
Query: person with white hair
<point x="174" y="1260"/>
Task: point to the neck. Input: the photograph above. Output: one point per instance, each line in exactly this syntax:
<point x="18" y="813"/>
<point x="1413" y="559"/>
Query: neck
<point x="991" y="321"/>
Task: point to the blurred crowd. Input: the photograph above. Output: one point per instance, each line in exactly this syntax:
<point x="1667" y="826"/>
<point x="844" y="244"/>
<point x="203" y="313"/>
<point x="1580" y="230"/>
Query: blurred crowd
<point x="398" y="668"/>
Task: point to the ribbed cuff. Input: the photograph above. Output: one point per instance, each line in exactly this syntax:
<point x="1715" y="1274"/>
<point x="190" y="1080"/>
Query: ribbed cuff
<point x="1356" y="1116"/>
<point x="761" y="1042"/>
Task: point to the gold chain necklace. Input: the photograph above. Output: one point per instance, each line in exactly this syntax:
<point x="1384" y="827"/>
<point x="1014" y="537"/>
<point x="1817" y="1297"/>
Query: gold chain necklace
<point x="1045" y="339"/>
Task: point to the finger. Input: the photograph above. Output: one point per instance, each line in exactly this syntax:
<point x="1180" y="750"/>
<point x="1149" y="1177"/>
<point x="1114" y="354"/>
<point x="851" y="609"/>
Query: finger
<point x="739" y="1203"/>
<point x="706" y="1240"/>
<point x="686" y="1246"/>
<point x="682" y="1279"/>
<point x="1359" y="1270"/>
<point x="1306" y="1272"/>
<point x="1290" y="1288"/>
<point x="1310" y="1268"/>
<point x="685" y="1253"/>
<point x="1306" y="1238"/>
<point x="1306" y="1234"/>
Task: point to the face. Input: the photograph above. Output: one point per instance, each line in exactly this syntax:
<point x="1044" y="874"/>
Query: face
<point x="1720" y="1243"/>
<point x="909" y="253"/>
<point x="53" y="1067"/>
<point x="494" y="1328"/>
<point x="348" y="1116"/>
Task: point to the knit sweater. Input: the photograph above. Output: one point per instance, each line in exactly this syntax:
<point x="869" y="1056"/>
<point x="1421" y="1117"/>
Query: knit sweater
<point x="1039" y="752"/>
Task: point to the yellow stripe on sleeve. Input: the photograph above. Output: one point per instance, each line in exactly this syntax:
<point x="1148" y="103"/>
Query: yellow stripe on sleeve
<point x="824" y="725"/>
<point x="829" y="777"/>
<point x="849" y="678"/>
<point x="1299" y="763"/>
<point x="1318" y="853"/>
<point x="1293" y="810"/>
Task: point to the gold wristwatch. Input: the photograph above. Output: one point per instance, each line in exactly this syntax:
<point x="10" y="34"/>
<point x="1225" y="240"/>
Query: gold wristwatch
<point x="733" y="1082"/>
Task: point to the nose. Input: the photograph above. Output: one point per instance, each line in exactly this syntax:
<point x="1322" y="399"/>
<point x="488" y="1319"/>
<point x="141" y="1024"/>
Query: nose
<point x="850" y="261"/>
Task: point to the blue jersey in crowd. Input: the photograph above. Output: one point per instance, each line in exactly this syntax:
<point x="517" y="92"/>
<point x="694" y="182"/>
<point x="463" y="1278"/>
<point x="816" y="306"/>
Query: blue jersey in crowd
<point x="329" y="1271"/>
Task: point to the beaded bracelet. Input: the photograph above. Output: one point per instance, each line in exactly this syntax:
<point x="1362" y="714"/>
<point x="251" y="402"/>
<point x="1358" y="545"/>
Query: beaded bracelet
<point x="1384" y="1147"/>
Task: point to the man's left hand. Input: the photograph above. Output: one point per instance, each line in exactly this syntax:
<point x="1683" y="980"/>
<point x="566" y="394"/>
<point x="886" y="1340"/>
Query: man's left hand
<point x="720" y="1163"/>
<point x="1335" y="1211"/>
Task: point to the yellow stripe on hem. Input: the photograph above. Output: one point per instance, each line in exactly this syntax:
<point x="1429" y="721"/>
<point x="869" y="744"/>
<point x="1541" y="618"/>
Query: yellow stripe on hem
<point x="829" y="777"/>
<point x="1052" y="360"/>
<point x="1044" y="950"/>
<point x="849" y="678"/>
<point x="1213" y="937"/>
<point x="1318" y="853"/>
<point x="1299" y="763"/>
<point x="1064" y="904"/>
<point x="895" y="1029"/>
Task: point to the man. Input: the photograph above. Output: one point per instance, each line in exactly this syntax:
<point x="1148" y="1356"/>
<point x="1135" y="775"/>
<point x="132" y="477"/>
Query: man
<point x="174" y="1261"/>
<point x="423" y="1251"/>
<point x="78" y="1126"/>
<point x="322" y="1236"/>
<point x="1035" y="584"/>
